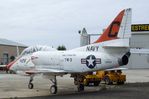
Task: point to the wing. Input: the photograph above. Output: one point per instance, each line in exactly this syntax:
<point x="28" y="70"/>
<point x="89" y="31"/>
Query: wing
<point x="46" y="71"/>
<point x="120" y="68"/>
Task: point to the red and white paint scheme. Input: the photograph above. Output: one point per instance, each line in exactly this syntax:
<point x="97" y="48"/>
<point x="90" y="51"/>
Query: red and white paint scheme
<point x="110" y="50"/>
<point x="23" y="62"/>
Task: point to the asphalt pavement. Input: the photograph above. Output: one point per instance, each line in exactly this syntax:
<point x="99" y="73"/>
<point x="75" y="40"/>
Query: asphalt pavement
<point x="15" y="86"/>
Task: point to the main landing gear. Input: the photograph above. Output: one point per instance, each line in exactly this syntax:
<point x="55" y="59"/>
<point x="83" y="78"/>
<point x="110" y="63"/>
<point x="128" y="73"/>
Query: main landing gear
<point x="80" y="87"/>
<point x="78" y="80"/>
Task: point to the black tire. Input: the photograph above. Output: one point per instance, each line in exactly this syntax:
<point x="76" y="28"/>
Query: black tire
<point x="80" y="87"/>
<point x="30" y="86"/>
<point x="120" y="83"/>
<point x="53" y="89"/>
<point x="75" y="82"/>
<point x="87" y="84"/>
<point x="96" y="83"/>
<point x="107" y="81"/>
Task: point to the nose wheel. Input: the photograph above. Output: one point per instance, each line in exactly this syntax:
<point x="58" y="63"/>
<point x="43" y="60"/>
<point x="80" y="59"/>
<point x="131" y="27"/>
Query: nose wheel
<point x="53" y="88"/>
<point x="30" y="84"/>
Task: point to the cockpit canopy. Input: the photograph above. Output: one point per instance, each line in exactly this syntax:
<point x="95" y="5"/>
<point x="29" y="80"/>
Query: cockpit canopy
<point x="36" y="48"/>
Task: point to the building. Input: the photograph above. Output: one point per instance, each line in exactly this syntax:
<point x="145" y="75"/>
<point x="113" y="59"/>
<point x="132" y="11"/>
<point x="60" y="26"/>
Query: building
<point x="139" y="40"/>
<point x="9" y="50"/>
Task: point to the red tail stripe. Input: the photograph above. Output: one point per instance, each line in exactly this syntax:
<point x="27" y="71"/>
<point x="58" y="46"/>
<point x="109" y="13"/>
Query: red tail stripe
<point x="112" y="31"/>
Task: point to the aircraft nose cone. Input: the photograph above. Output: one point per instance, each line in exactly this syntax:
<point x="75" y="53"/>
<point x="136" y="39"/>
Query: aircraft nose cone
<point x="35" y="57"/>
<point x="40" y="58"/>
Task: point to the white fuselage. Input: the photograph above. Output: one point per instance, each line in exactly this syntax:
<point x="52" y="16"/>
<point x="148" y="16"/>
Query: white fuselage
<point x="74" y="61"/>
<point x="84" y="59"/>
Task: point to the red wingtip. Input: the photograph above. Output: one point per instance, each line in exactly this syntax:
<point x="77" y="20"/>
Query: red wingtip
<point x="112" y="31"/>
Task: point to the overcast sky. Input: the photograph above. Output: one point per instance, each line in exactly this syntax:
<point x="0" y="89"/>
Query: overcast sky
<point x="56" y="22"/>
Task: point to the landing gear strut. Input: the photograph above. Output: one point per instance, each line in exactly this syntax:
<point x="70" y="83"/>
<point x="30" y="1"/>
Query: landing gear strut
<point x="53" y="88"/>
<point x="30" y="84"/>
<point x="80" y="87"/>
<point x="78" y="79"/>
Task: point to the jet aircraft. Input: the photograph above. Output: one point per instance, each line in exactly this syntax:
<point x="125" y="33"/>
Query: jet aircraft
<point x="110" y="50"/>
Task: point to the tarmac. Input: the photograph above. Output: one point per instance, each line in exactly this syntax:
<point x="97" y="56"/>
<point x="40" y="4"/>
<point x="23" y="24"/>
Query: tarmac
<point x="15" y="86"/>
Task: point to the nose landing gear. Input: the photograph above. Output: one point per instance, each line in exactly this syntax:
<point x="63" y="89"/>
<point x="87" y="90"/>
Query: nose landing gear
<point x="53" y="88"/>
<point x="30" y="84"/>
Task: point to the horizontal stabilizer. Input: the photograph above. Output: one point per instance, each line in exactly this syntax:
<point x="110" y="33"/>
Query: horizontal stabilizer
<point x="116" y="43"/>
<point x="139" y="51"/>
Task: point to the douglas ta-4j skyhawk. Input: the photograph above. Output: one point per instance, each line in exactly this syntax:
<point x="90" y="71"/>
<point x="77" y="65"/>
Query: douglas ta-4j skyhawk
<point x="110" y="50"/>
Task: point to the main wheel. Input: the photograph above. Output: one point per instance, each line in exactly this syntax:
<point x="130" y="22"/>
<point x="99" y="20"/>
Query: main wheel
<point x="96" y="83"/>
<point x="75" y="81"/>
<point x="107" y="80"/>
<point x="53" y="89"/>
<point x="80" y="87"/>
<point x="30" y="86"/>
<point x="120" y="83"/>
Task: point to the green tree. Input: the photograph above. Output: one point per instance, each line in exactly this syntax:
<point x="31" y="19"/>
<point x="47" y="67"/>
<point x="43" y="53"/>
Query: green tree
<point x="62" y="47"/>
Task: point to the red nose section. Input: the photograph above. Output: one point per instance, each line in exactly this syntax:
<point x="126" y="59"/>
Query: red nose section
<point x="9" y="65"/>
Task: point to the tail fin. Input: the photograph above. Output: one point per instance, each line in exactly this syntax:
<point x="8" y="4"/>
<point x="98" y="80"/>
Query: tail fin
<point x="120" y="28"/>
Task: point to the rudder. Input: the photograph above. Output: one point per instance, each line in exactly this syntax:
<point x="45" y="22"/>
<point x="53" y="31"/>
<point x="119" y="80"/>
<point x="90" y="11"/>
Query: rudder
<point x="119" y="27"/>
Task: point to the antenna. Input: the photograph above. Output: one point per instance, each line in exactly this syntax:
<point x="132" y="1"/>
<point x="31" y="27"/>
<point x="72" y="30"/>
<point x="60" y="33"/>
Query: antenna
<point x="18" y="51"/>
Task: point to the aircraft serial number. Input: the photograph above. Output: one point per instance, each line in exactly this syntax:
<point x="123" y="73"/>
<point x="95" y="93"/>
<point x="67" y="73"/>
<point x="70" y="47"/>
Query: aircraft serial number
<point x="68" y="59"/>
